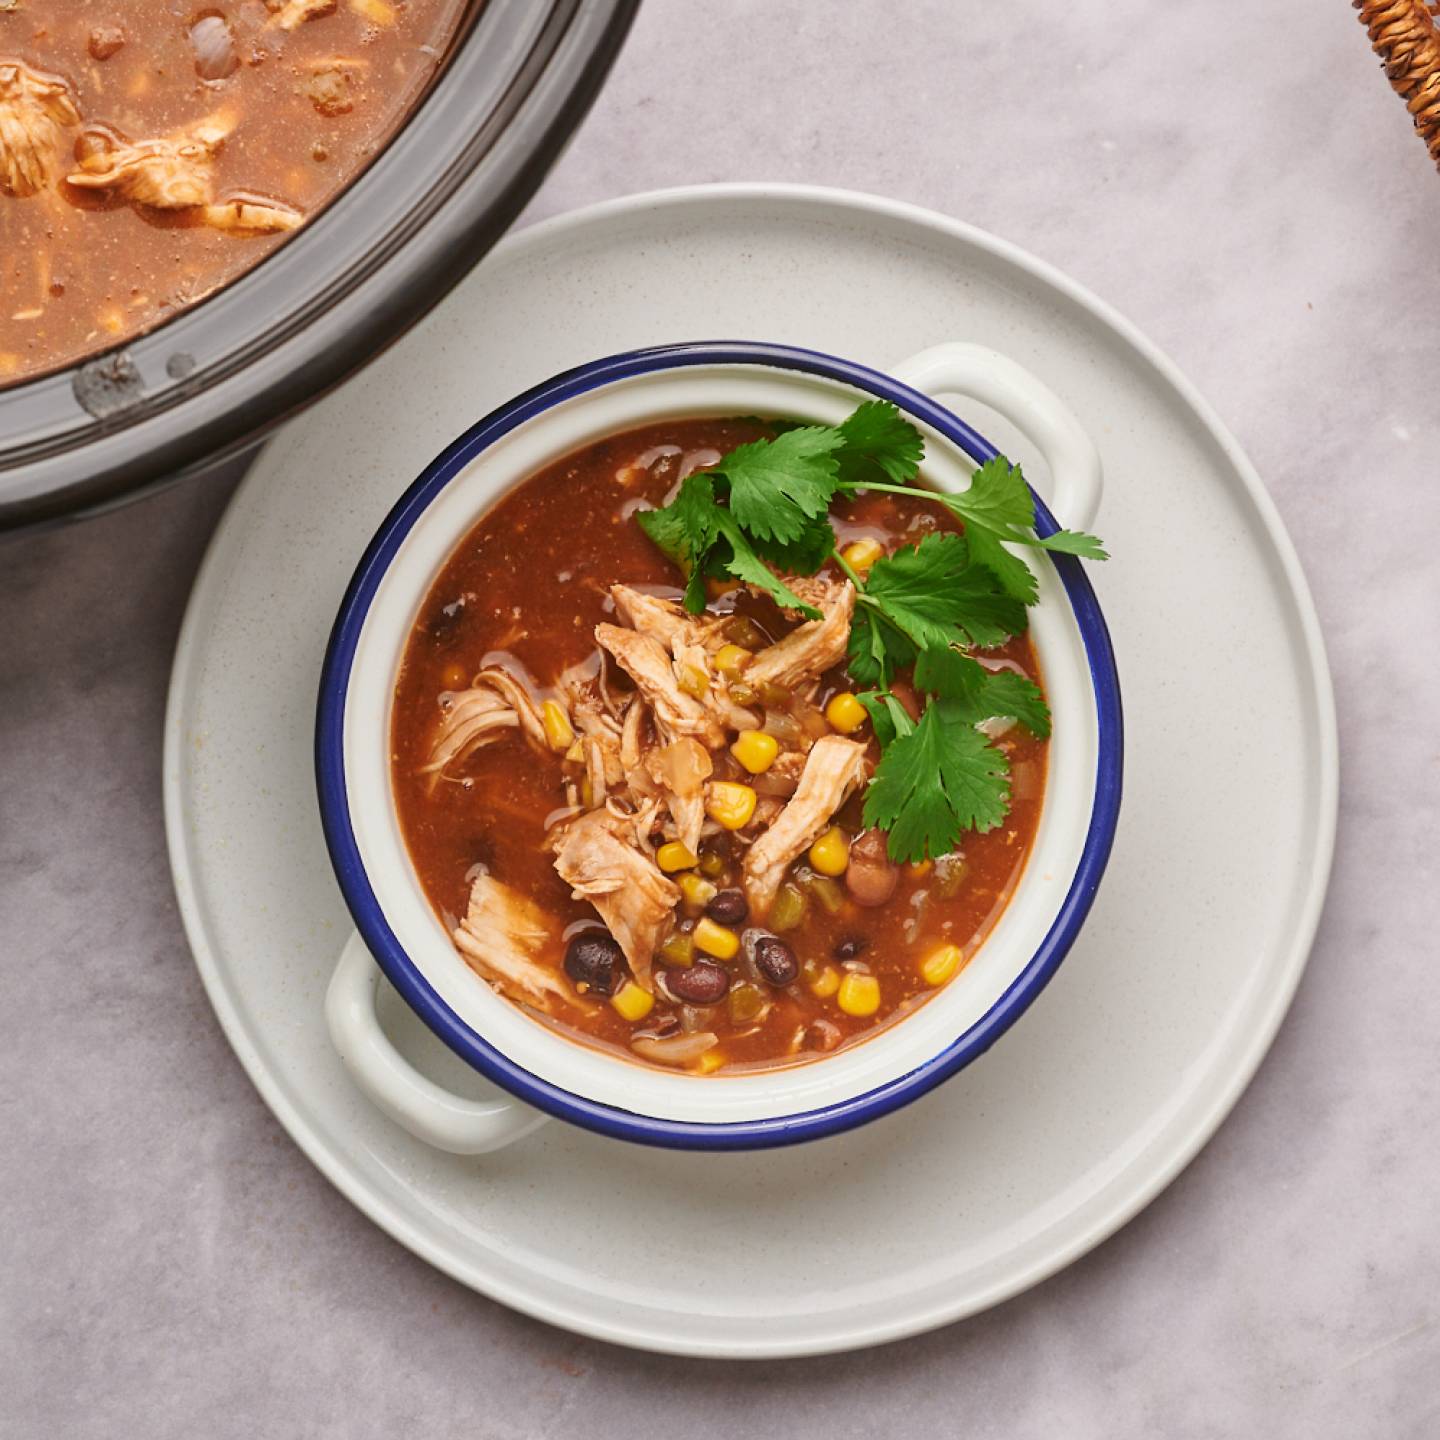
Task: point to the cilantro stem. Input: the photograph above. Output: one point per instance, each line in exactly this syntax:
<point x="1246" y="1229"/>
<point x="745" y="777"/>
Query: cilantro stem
<point x="851" y="487"/>
<point x="849" y="570"/>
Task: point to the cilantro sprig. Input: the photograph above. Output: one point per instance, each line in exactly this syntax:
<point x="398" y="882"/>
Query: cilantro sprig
<point x="762" y="512"/>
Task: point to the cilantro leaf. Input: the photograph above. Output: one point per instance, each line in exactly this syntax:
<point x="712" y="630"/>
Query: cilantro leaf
<point x="984" y="614"/>
<point x="878" y="437"/>
<point x="805" y="554"/>
<point x="888" y="717"/>
<point x="876" y="648"/>
<point x="685" y="528"/>
<point x="998" y="497"/>
<point x="744" y="564"/>
<point x="1007" y="693"/>
<point x="999" y="502"/>
<point x="777" y="485"/>
<point x="1016" y="578"/>
<point x="932" y="590"/>
<point x="935" y="783"/>
<point x="972" y="693"/>
<point x="1072" y="542"/>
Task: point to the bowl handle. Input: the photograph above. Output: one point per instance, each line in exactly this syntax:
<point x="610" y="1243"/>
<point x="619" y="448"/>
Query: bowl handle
<point x="1032" y="407"/>
<point x="414" y="1102"/>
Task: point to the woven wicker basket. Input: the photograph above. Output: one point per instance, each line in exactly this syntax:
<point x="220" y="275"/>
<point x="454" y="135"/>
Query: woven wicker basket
<point x="1406" y="37"/>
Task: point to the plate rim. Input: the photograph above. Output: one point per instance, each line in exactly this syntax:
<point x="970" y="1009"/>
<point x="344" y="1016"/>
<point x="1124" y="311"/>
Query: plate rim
<point x="1287" y="966"/>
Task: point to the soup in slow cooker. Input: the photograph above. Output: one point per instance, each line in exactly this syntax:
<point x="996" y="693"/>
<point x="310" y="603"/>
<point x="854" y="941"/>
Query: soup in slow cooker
<point x="658" y="828"/>
<point x="151" y="152"/>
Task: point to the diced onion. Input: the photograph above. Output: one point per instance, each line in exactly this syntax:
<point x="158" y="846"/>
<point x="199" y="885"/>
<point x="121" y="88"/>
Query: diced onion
<point x="675" y="1049"/>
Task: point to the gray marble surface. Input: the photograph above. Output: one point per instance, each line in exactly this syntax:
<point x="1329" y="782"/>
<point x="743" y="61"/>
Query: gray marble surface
<point x="1237" y="179"/>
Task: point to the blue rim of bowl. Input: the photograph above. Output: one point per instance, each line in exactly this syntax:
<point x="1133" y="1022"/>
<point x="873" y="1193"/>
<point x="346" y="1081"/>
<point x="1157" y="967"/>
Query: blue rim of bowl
<point x="402" y="972"/>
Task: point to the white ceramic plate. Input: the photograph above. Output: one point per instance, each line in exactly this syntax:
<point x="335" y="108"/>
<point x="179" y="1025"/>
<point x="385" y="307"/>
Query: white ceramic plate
<point x="1125" y="1065"/>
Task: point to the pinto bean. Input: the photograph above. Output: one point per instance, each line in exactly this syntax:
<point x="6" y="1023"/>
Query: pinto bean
<point x="871" y="878"/>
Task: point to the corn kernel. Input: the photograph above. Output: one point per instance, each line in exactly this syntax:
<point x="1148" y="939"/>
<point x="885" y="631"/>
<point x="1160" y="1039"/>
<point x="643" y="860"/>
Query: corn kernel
<point x="632" y="1002"/>
<point x="862" y="554"/>
<point x="830" y="854"/>
<point x="858" y="994"/>
<point x="708" y="1063"/>
<point x="732" y="659"/>
<point x="921" y="868"/>
<point x="716" y="940"/>
<point x="558" y="731"/>
<point x="755" y="750"/>
<point x="940" y="965"/>
<point x="845" y="713"/>
<point x="729" y="803"/>
<point x="697" y="890"/>
<point x="826" y="983"/>
<point x="674" y="856"/>
<point x="576" y="753"/>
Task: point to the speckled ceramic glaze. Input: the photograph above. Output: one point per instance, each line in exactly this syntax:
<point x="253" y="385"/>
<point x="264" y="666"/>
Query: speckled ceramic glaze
<point x="1122" y="1068"/>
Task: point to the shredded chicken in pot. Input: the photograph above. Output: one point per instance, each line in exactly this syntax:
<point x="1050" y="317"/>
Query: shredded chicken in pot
<point x="35" y="112"/>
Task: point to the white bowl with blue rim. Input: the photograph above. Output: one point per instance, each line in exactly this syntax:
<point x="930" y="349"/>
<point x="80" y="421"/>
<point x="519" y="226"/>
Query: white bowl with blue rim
<point x="537" y="1072"/>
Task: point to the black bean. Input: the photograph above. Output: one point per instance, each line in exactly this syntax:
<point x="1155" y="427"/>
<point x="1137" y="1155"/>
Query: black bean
<point x="728" y="908"/>
<point x="851" y="947"/>
<point x="594" y="958"/>
<point x="775" y="960"/>
<point x="699" y="984"/>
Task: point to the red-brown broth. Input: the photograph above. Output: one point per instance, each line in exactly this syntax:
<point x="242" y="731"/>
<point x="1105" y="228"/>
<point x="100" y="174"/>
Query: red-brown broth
<point x="529" y="582"/>
<point x="306" y="109"/>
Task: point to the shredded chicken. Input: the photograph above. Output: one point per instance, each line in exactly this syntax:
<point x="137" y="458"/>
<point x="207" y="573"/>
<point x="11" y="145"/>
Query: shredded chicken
<point x="501" y="935"/>
<point x="676" y="713"/>
<point x="600" y="746"/>
<point x="811" y="648"/>
<point x="35" y="110"/>
<point x="518" y="698"/>
<point x="472" y="718"/>
<point x="630" y="736"/>
<point x="496" y="702"/>
<point x="292" y="14"/>
<point x="833" y="768"/>
<point x="681" y="769"/>
<point x="664" y="620"/>
<point x="252" y="217"/>
<point x="642" y="761"/>
<point x="634" y="826"/>
<point x="692" y="640"/>
<point x="634" y="899"/>
<point x="176" y="173"/>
